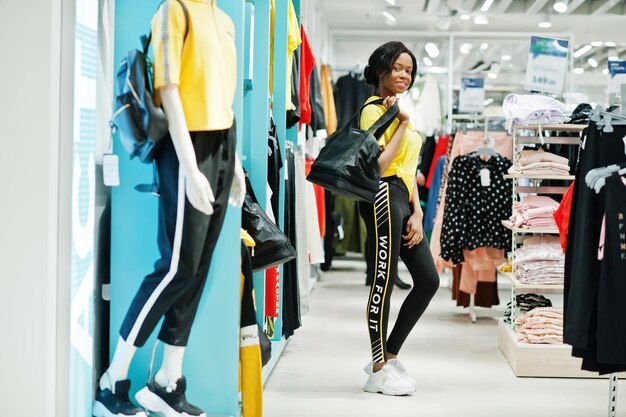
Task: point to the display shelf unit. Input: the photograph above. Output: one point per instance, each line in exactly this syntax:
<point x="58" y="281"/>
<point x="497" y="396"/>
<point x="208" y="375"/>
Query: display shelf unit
<point x="532" y="230"/>
<point x="540" y="360"/>
<point x="533" y="360"/>
<point x="522" y="288"/>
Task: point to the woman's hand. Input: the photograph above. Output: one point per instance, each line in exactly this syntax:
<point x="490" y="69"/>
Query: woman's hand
<point x="414" y="230"/>
<point x="390" y="101"/>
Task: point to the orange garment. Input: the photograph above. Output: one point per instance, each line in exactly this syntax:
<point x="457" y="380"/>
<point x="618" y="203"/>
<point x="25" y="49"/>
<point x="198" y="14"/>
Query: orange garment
<point x="328" y="98"/>
<point x="480" y="266"/>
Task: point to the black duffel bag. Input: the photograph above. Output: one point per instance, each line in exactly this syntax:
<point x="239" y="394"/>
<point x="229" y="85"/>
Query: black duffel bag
<point x="272" y="246"/>
<point x="348" y="164"/>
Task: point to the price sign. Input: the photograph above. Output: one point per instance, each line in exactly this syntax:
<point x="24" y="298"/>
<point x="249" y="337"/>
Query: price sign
<point x="472" y="96"/>
<point x="617" y="71"/>
<point x="547" y="64"/>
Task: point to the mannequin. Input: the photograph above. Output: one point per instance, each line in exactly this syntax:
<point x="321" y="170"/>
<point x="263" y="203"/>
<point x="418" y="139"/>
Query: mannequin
<point x="200" y="174"/>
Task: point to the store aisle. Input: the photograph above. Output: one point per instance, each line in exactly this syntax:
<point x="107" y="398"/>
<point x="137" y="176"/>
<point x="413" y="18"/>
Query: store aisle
<point x="458" y="367"/>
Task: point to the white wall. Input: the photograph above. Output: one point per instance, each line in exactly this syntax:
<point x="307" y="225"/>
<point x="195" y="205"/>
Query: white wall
<point x="30" y="82"/>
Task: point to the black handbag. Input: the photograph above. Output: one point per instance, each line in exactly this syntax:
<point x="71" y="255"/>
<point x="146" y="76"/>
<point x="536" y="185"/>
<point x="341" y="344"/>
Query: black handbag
<point x="272" y="245"/>
<point x="265" y="345"/>
<point x="348" y="164"/>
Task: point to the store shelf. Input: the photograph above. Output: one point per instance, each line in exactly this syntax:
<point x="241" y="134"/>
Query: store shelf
<point x="521" y="288"/>
<point x="561" y="140"/>
<point x="558" y="127"/>
<point x="509" y="226"/>
<point x="539" y="177"/>
<point x="530" y="360"/>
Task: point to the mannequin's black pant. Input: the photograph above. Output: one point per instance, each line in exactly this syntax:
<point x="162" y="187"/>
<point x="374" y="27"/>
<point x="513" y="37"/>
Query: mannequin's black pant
<point x="386" y="221"/>
<point x="186" y="239"/>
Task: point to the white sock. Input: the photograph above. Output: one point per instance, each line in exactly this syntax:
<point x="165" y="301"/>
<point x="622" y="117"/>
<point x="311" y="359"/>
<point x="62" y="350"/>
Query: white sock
<point x="118" y="369"/>
<point x="172" y="366"/>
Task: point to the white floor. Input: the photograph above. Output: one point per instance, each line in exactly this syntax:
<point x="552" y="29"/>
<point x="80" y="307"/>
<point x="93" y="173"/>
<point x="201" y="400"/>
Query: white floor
<point x="457" y="364"/>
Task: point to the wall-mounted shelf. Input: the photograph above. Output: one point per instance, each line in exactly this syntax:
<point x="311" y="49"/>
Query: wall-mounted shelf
<point x="554" y="127"/>
<point x="521" y="288"/>
<point x="539" y="177"/>
<point x="509" y="225"/>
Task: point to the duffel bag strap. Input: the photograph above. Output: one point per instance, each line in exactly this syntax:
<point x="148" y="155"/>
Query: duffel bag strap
<point x="383" y="123"/>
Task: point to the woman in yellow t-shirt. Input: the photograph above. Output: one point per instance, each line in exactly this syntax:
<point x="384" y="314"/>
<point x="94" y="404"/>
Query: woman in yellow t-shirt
<point x="394" y="224"/>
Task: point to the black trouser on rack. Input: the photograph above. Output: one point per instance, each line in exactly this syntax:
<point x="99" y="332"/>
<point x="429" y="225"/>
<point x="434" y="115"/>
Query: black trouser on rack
<point x="386" y="221"/>
<point x="186" y="239"/>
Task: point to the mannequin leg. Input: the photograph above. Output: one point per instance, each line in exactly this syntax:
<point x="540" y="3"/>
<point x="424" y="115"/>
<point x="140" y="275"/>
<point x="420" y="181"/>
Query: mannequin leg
<point x="118" y="369"/>
<point x="172" y="366"/>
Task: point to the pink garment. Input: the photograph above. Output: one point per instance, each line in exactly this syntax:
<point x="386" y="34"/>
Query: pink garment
<point x="541" y="325"/>
<point x="534" y="211"/>
<point x="529" y="157"/>
<point x="463" y="144"/>
<point x="480" y="265"/>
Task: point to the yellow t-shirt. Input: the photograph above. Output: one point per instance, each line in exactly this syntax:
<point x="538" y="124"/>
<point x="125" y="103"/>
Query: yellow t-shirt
<point x="293" y="40"/>
<point x="204" y="68"/>
<point x="404" y="165"/>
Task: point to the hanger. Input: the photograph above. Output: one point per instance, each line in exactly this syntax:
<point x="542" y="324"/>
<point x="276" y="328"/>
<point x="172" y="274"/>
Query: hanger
<point x="596" y="178"/>
<point x="606" y="120"/>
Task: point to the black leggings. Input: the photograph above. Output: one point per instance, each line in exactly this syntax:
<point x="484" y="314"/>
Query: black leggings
<point x="385" y="221"/>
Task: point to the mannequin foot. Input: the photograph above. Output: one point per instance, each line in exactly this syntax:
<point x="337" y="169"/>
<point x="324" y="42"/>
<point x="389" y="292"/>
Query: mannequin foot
<point x="170" y="401"/>
<point x="108" y="404"/>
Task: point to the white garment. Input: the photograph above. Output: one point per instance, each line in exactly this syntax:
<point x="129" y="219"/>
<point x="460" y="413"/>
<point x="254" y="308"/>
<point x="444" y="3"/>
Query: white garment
<point x="425" y="111"/>
<point x="314" y="238"/>
<point x="302" y="250"/>
<point x="532" y="109"/>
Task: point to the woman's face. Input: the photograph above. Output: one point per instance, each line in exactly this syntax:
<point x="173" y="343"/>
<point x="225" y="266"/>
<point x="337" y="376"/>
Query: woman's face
<point x="399" y="79"/>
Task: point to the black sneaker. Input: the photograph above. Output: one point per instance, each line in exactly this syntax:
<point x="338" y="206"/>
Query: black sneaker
<point x="169" y="401"/>
<point x="108" y="404"/>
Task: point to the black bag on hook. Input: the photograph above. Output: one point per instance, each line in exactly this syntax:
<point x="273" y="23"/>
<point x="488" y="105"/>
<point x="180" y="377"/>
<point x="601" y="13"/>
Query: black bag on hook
<point x="348" y="164"/>
<point x="272" y="245"/>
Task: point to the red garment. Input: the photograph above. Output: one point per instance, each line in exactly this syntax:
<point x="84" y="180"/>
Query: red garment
<point x="319" y="199"/>
<point x="440" y="150"/>
<point x="561" y="215"/>
<point x="272" y="292"/>
<point x="307" y="62"/>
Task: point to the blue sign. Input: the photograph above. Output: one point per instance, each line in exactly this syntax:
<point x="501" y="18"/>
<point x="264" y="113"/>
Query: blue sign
<point x="547" y="64"/>
<point x="467" y="82"/>
<point x="472" y="95"/>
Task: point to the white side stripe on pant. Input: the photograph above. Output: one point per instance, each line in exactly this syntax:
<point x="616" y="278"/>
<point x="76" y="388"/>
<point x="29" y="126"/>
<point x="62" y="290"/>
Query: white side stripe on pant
<point x="178" y="234"/>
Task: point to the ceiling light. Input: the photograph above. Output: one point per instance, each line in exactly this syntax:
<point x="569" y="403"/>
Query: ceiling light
<point x="488" y="102"/>
<point x="432" y="49"/>
<point x="596" y="43"/>
<point x="613" y="55"/>
<point x="484" y="46"/>
<point x="389" y="16"/>
<point x="582" y="51"/>
<point x="605" y="71"/>
<point x="506" y="57"/>
<point x="486" y="5"/>
<point x="560" y="6"/>
<point x="465" y="48"/>
<point x="578" y="71"/>
<point x="610" y="44"/>
<point x="465" y="17"/>
<point x="427" y="61"/>
<point x="545" y="22"/>
<point x="492" y="75"/>
<point x="481" y="19"/>
<point x="593" y="62"/>
<point x="392" y="2"/>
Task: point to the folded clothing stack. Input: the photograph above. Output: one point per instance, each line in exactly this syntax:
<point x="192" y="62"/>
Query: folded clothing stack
<point x="534" y="211"/>
<point x="541" y="325"/>
<point x="526" y="109"/>
<point x="525" y="303"/>
<point x="540" y="162"/>
<point x="540" y="261"/>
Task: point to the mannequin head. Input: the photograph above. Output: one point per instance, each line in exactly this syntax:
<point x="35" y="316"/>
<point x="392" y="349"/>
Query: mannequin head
<point x="391" y="69"/>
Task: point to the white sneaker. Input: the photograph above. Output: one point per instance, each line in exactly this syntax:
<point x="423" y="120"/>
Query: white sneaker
<point x="396" y="364"/>
<point x="388" y="381"/>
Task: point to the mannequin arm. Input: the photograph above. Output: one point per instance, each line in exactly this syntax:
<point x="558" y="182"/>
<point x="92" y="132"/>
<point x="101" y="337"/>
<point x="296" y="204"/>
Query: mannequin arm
<point x="197" y="186"/>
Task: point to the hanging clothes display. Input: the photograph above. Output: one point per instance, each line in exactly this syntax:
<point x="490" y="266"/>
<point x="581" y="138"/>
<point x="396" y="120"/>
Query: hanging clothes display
<point x="477" y="199"/>
<point x="293" y="114"/>
<point x="433" y="193"/>
<point x="274" y="165"/>
<point x="318" y="116"/>
<point x="328" y="99"/>
<point x="440" y="149"/>
<point x="302" y="215"/>
<point x="594" y="288"/>
<point x="351" y="91"/>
